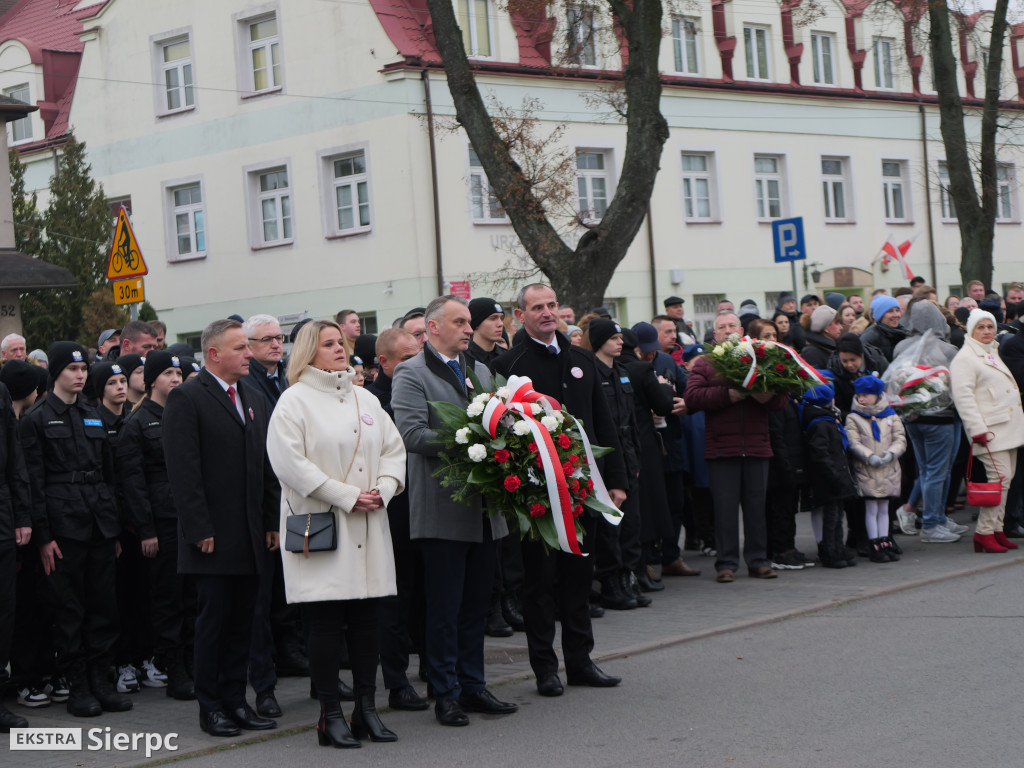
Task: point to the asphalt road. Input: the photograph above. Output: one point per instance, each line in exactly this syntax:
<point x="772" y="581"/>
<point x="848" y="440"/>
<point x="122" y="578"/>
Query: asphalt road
<point x="923" y="677"/>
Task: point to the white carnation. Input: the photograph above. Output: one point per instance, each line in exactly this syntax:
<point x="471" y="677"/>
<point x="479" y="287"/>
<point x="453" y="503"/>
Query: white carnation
<point x="475" y="409"/>
<point x="503" y="393"/>
<point x="718" y="351"/>
<point x="559" y="416"/>
<point x="535" y="409"/>
<point x="521" y="428"/>
<point x="477" y="452"/>
<point x="550" y="423"/>
<point x="462" y="436"/>
<point x="483" y="398"/>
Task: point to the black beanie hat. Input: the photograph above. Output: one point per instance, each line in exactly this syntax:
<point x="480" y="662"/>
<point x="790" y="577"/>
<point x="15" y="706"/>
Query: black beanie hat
<point x="600" y="330"/>
<point x="42" y="379"/>
<point x="99" y="375"/>
<point x="180" y="348"/>
<point x="158" y="362"/>
<point x="189" y="366"/>
<point x="630" y="341"/>
<point x="994" y="307"/>
<point x="850" y="342"/>
<point x="365" y="349"/>
<point x="64" y="353"/>
<point x="961" y="314"/>
<point x="19" y="377"/>
<point x="129" y="363"/>
<point x="482" y="308"/>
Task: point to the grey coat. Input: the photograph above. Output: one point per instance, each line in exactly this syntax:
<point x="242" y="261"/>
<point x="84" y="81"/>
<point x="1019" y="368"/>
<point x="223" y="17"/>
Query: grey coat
<point x="432" y="512"/>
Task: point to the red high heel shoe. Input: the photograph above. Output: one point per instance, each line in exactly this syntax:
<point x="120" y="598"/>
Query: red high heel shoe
<point x="1001" y="538"/>
<point x="987" y="543"/>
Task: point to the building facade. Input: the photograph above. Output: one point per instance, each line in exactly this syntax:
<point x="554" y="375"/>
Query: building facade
<point x="275" y="156"/>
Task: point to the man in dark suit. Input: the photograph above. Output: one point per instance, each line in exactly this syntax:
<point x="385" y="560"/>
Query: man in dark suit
<point x="558" y="579"/>
<point x="457" y="541"/>
<point x="228" y="499"/>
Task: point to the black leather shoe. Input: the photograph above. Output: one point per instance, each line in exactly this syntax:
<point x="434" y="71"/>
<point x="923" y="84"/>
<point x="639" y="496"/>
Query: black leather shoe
<point x="512" y="612"/>
<point x="549" y="685"/>
<point x="249" y="720"/>
<point x="614" y="597"/>
<point x="1014" y="532"/>
<point x="596" y="611"/>
<point x="10" y="720"/>
<point x="267" y="706"/>
<point x="485" y="703"/>
<point x="448" y="712"/>
<point x="496" y="625"/>
<point x="218" y="724"/>
<point x="647" y="584"/>
<point x="592" y="676"/>
<point x="345" y="692"/>
<point x="407" y="699"/>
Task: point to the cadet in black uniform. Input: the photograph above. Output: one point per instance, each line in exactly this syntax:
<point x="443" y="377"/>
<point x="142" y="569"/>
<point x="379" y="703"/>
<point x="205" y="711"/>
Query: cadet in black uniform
<point x="142" y="475"/>
<point x="74" y="522"/>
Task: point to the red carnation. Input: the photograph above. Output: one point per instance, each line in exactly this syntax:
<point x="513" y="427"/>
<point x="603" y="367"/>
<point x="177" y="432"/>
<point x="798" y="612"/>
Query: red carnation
<point x="746" y="359"/>
<point x="512" y="483"/>
<point x="540" y="462"/>
<point x="574" y="485"/>
<point x="802" y="373"/>
<point x="501" y="456"/>
<point x="583" y="494"/>
<point x="564" y="441"/>
<point x="781" y="368"/>
<point x="568" y="468"/>
<point x="575" y="460"/>
<point x="577" y="510"/>
<point x="590" y="485"/>
<point x="532" y="448"/>
<point x="538" y="510"/>
<point x="759" y="352"/>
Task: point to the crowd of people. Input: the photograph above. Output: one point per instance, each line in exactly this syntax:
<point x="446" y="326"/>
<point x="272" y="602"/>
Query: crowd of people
<point x="205" y="528"/>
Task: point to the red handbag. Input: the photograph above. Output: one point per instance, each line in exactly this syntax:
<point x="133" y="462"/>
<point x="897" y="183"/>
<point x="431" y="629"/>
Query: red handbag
<point x="983" y="494"/>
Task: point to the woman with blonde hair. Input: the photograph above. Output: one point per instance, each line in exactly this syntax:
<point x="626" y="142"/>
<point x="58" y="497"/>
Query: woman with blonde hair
<point x="335" y="450"/>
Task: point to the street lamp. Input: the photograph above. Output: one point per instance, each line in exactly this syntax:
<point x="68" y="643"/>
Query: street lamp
<point x="815" y="273"/>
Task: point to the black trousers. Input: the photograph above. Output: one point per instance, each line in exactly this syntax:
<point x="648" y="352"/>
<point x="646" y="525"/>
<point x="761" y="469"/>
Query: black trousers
<point x="262" y="673"/>
<point x="135" y="641"/>
<point x="33" y="650"/>
<point x="457" y="580"/>
<point x="557" y="584"/>
<point x="402" y="616"/>
<point x="675" y="492"/>
<point x="329" y="621"/>
<point x="739" y="483"/>
<point x="171" y="598"/>
<point x="781" y="505"/>
<point x="508" y="568"/>
<point x="223" y="630"/>
<point x="84" y="589"/>
<point x="618" y="546"/>
<point x="8" y="599"/>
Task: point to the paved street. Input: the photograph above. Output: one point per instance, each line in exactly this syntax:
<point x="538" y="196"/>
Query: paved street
<point x="870" y="665"/>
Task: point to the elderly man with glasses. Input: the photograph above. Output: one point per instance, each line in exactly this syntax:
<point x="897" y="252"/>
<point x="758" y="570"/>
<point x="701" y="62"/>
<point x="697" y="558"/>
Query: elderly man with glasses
<point x="266" y="368"/>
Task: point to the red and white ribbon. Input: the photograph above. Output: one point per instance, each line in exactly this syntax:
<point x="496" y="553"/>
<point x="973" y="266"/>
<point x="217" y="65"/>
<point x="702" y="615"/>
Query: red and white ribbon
<point x="812" y="373"/>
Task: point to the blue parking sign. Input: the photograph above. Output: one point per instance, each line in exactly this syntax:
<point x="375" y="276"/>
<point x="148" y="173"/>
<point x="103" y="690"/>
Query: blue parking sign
<point x="788" y="237"/>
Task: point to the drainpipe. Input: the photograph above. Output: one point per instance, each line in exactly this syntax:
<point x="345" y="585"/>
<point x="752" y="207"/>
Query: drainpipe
<point x="928" y="195"/>
<point x="439" y="264"/>
<point x="654" y="276"/>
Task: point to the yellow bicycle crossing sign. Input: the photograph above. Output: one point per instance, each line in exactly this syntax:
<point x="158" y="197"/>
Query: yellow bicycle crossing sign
<point x="125" y="257"/>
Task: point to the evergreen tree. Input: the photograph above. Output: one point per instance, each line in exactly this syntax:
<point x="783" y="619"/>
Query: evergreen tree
<point x="78" y="230"/>
<point x="28" y="222"/>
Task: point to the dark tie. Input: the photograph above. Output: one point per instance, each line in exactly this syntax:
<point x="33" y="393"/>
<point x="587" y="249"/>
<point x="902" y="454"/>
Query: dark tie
<point x="454" y="365"/>
<point x="552" y="349"/>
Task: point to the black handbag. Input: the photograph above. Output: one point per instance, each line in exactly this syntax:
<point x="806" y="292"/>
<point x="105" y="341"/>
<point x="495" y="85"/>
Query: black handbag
<point x="312" y="532"/>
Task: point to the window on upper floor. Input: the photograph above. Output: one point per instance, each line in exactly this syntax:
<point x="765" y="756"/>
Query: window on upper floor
<point x="835" y="183"/>
<point x="176" y="68"/>
<point x="755" y="43"/>
<point x="895" y="190"/>
<point x="699" y="198"/>
<point x="20" y="130"/>
<point x="259" y="51"/>
<point x="884" y="48"/>
<point x="768" y="186"/>
<point x="270" y="205"/>
<point x="345" y="189"/>
<point x="474" y="18"/>
<point x="1006" y="192"/>
<point x="185" y="220"/>
<point x="582" y="43"/>
<point x="684" y="45"/>
<point x="945" y="198"/>
<point x="823" y="46"/>
<point x="592" y="184"/>
<point x="484" y="204"/>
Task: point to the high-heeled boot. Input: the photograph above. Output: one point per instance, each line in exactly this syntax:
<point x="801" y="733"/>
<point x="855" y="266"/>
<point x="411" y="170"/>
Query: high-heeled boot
<point x="1003" y="541"/>
<point x="986" y="542"/>
<point x="366" y="721"/>
<point x="332" y="729"/>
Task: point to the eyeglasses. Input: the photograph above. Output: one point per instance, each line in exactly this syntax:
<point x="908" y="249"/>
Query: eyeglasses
<point x="267" y="339"/>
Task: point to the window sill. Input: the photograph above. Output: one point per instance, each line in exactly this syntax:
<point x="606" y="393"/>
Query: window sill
<point x="348" y="233"/>
<point x="173" y="112"/>
<point x="265" y="92"/>
<point x="948" y="221"/>
<point x="702" y="221"/>
<point x="898" y="221"/>
<point x="492" y="222"/>
<point x="769" y="221"/>
<point x="187" y="257"/>
<point x="274" y="244"/>
<point x="1007" y="221"/>
<point x="840" y="221"/>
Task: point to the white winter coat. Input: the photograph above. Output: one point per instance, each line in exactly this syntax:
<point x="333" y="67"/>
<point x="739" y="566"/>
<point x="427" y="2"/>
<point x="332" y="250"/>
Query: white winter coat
<point x="312" y="441"/>
<point x="986" y="396"/>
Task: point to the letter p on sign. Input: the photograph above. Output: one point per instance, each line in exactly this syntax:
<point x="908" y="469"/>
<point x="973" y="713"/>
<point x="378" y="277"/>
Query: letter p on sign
<point x="788" y="238"/>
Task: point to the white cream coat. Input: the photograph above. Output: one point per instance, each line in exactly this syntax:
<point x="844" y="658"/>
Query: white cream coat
<point x="311" y="441"/>
<point x="986" y="397"/>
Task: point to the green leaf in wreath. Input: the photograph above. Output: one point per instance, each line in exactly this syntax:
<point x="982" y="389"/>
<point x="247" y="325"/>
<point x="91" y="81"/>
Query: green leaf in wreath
<point x="595" y="504"/>
<point x="546" y="529"/>
<point x="453" y="416"/>
<point x="600" y="450"/>
<point x="483" y="474"/>
<point x="478" y="388"/>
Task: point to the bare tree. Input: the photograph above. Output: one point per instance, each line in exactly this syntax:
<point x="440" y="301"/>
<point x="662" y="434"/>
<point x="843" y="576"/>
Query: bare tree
<point x="579" y="275"/>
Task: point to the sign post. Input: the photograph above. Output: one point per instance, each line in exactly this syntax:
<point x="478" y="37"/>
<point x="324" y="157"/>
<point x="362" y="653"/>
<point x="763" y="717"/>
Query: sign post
<point x="126" y="262"/>
<point x="788" y="239"/>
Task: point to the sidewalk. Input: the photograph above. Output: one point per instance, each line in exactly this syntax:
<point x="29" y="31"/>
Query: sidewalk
<point x="688" y="608"/>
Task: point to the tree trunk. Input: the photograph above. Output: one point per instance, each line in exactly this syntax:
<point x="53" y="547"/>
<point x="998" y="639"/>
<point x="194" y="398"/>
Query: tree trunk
<point x="579" y="276"/>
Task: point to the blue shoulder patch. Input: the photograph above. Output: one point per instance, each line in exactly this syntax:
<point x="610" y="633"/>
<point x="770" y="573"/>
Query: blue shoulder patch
<point x="624" y="379"/>
<point x="92" y="422"/>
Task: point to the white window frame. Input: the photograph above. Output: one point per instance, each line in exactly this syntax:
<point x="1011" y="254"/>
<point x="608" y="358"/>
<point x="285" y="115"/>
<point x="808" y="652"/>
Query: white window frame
<point x="477" y="177"/>
<point x="883" y="55"/>
<point x="750" y="33"/>
<point x="761" y="181"/>
<point x="1006" y="194"/>
<point x="582" y="46"/>
<point x="244" y="47"/>
<point x="254" y="204"/>
<point x="831" y="183"/>
<point x="157" y="44"/>
<point x="329" y="183"/>
<point x="588" y="175"/>
<point x="947" y="208"/>
<point x="171" y="211"/>
<point x="823" y="75"/>
<point x="471" y="34"/>
<point x="24" y="122"/>
<point x="686" y="29"/>
<point x="888" y="194"/>
<point x="689" y="181"/>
